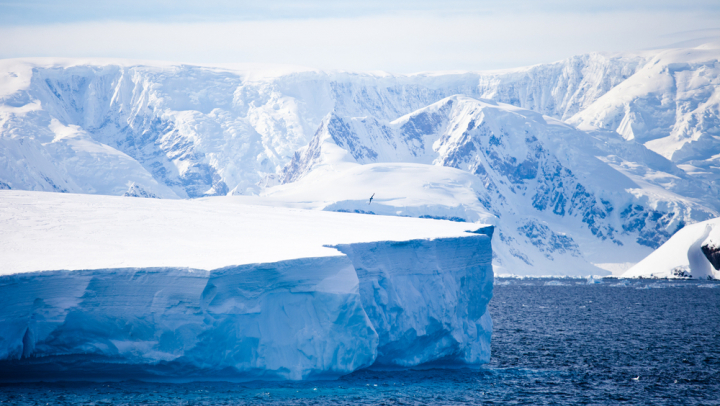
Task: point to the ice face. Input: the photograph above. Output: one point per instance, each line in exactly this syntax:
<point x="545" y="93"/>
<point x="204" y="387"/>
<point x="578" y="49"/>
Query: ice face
<point x="290" y="320"/>
<point x="427" y="298"/>
<point x="399" y="303"/>
<point x="300" y="318"/>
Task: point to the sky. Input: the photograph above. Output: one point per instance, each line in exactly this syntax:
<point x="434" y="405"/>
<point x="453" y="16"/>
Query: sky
<point x="396" y="36"/>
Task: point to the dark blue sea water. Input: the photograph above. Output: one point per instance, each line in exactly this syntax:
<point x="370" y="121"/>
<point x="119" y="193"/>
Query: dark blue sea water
<point x="553" y="344"/>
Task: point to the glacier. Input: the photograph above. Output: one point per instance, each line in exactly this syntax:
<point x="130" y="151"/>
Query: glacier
<point x="266" y="292"/>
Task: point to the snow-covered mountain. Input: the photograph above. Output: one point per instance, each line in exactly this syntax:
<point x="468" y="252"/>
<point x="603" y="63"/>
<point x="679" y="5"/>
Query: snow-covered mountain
<point x="671" y="105"/>
<point x="548" y="184"/>
<point x="205" y="130"/>
<point x="566" y="200"/>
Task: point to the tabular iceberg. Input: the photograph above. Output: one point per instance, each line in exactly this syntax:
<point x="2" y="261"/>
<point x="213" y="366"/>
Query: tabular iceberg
<point x="398" y="303"/>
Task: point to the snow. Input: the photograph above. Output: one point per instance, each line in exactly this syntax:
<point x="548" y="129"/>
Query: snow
<point x="543" y="180"/>
<point x="670" y="105"/>
<point x="99" y="232"/>
<point x="259" y="255"/>
<point x="401" y="189"/>
<point x="682" y="255"/>
<point x="107" y="287"/>
<point x="634" y="160"/>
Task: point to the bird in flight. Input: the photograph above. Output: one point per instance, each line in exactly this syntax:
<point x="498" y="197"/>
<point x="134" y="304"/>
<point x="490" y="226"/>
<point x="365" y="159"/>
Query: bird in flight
<point x="371" y="197"/>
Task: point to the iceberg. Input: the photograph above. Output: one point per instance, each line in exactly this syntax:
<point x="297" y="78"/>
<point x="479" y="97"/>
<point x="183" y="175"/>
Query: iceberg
<point x="691" y="253"/>
<point x="337" y="292"/>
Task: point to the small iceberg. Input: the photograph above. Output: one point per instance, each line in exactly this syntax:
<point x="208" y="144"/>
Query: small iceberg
<point x="624" y="283"/>
<point x="592" y="280"/>
<point x="555" y="283"/>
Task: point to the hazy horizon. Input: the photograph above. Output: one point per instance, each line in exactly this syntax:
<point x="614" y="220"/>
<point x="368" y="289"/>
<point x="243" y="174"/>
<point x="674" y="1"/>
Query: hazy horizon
<point x="401" y="37"/>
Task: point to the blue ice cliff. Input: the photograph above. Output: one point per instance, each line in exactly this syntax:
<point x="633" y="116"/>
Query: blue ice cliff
<point x="385" y="303"/>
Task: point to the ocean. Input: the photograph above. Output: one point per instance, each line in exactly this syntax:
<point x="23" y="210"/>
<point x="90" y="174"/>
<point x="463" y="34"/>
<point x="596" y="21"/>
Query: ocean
<point x="555" y="342"/>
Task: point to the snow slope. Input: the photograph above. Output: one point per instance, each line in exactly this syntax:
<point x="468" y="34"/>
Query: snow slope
<point x="114" y="287"/>
<point x="399" y="189"/>
<point x="693" y="252"/>
<point x="550" y="186"/>
<point x="671" y="105"/>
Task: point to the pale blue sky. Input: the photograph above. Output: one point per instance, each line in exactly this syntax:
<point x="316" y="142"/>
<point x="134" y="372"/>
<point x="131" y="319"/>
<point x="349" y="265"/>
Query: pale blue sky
<point x="52" y="11"/>
<point x="397" y="36"/>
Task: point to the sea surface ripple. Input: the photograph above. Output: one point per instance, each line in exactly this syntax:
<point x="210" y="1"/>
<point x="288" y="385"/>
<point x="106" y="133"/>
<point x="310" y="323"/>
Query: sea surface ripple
<point x="555" y="342"/>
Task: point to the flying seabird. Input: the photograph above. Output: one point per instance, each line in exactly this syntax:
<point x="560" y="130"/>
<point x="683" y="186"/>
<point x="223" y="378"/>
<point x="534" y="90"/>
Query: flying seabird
<point x="371" y="197"/>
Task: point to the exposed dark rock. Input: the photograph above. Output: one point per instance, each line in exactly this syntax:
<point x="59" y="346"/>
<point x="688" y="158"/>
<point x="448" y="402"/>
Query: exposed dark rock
<point x="355" y="211"/>
<point x="487" y="230"/>
<point x="712" y="253"/>
<point x="137" y="191"/>
<point x="453" y="218"/>
<point x="681" y="272"/>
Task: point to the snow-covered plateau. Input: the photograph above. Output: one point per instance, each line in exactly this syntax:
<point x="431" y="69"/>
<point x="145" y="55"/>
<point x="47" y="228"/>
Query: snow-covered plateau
<point x="585" y="166"/>
<point x="110" y="287"/>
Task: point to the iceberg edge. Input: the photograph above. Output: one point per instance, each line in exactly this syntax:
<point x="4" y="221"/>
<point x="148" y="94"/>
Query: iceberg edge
<point x="306" y="318"/>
